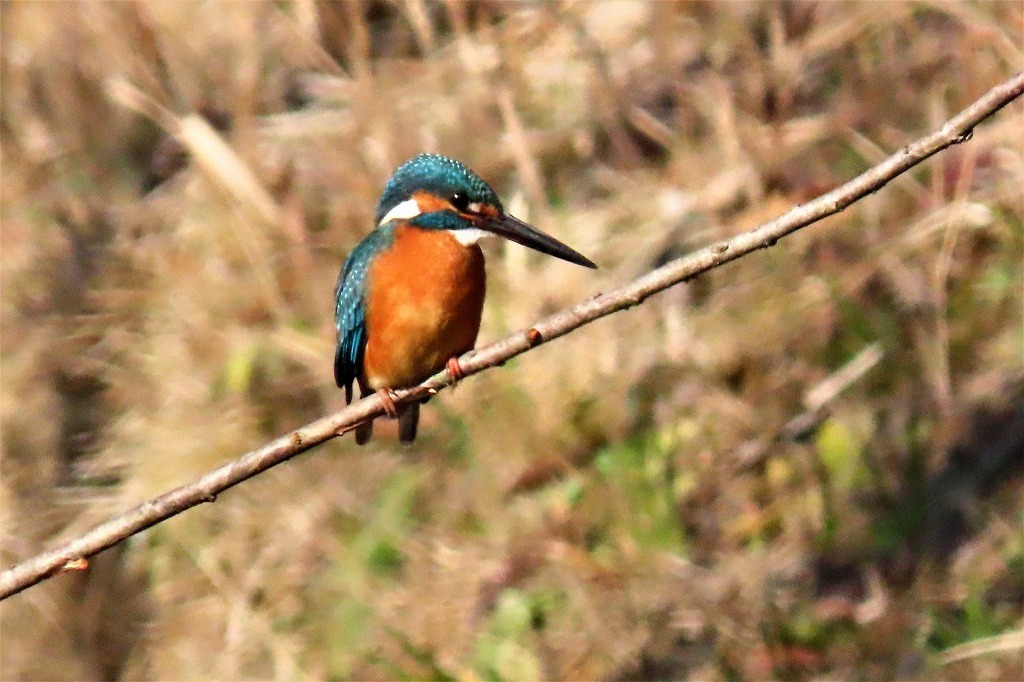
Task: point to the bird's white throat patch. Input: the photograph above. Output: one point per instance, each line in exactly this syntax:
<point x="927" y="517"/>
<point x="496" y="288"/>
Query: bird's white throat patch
<point x="403" y="211"/>
<point x="468" y="236"/>
<point x="409" y="209"/>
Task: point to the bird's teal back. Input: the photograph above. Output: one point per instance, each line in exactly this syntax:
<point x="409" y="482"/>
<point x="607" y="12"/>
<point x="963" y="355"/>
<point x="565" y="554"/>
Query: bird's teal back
<point x="350" y="306"/>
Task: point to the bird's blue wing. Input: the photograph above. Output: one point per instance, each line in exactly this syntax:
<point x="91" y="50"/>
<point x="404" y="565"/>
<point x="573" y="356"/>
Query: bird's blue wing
<point x="350" y="307"/>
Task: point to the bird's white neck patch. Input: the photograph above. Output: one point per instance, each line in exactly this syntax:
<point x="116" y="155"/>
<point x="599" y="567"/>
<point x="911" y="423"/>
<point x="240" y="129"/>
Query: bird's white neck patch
<point x="468" y="236"/>
<point x="403" y="211"/>
<point x="409" y="209"/>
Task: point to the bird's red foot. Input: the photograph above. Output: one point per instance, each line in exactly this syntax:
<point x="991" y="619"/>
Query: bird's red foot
<point x="455" y="370"/>
<point x="388" y="399"/>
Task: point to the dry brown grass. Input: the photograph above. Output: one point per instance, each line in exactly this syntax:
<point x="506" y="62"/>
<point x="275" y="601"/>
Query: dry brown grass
<point x="589" y="511"/>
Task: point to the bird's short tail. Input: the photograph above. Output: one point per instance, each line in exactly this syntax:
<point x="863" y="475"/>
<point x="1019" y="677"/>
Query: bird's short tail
<point x="408" y="420"/>
<point x="363" y="432"/>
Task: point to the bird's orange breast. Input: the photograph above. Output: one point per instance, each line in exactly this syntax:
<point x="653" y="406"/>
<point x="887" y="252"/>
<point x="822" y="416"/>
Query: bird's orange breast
<point x="424" y="300"/>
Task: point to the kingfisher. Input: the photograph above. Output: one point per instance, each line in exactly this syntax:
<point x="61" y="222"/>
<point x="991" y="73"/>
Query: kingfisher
<point x="410" y="295"/>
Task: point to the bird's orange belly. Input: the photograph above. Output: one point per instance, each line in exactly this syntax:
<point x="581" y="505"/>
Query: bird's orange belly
<point x="424" y="302"/>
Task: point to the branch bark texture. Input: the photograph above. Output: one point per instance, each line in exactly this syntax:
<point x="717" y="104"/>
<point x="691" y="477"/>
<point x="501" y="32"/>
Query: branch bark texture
<point x="205" y="489"/>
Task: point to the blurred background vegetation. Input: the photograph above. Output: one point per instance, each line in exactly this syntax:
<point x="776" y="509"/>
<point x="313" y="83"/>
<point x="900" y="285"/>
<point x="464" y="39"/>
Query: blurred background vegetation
<point x="704" y="486"/>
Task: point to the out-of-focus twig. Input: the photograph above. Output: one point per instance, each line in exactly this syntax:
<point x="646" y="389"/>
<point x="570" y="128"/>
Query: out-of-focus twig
<point x="817" y="402"/>
<point x="1007" y="642"/>
<point x="210" y="151"/>
<point x="956" y="130"/>
<point x="826" y="391"/>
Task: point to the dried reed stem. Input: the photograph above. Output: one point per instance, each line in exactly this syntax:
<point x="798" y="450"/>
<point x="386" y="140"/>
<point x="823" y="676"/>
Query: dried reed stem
<point x="68" y="556"/>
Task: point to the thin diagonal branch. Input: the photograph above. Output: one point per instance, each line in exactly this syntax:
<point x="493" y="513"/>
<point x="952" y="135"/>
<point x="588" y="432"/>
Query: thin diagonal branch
<point x="205" y="489"/>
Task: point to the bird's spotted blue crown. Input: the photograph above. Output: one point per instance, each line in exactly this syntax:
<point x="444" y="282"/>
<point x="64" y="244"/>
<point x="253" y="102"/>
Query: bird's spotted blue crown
<point x="437" y="175"/>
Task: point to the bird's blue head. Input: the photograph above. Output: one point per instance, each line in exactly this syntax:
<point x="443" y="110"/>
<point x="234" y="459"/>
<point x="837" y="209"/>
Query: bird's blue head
<point x="431" y="183"/>
<point x="431" y="191"/>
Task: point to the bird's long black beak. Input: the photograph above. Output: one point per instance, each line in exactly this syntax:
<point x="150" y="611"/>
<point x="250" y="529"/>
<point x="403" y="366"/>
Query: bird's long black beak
<point x="516" y="230"/>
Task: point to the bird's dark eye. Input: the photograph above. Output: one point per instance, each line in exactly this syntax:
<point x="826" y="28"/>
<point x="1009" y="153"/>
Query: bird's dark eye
<point x="460" y="201"/>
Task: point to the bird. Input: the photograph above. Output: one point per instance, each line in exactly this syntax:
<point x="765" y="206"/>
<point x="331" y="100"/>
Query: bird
<point x="410" y="295"/>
